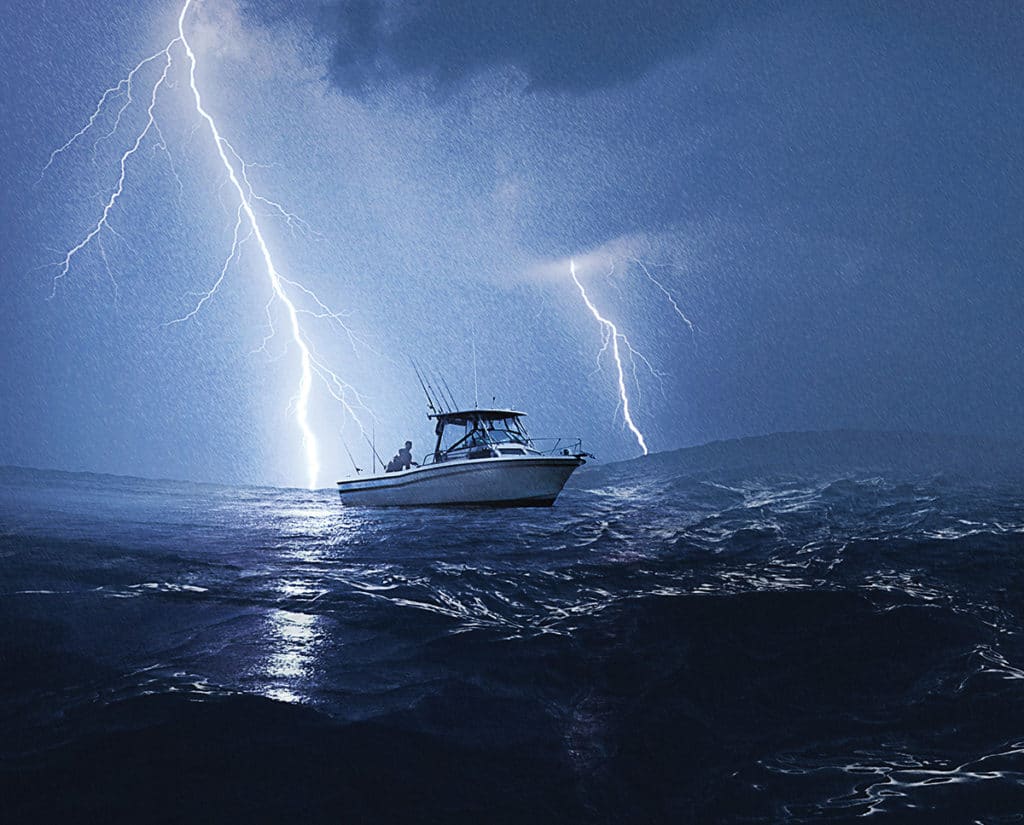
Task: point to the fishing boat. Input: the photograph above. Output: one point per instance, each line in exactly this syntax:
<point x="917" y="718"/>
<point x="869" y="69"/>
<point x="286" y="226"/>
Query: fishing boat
<point x="482" y="457"/>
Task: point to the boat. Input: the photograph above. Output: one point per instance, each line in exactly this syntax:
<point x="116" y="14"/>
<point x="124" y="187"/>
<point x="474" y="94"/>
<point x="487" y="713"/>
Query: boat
<point x="482" y="457"/>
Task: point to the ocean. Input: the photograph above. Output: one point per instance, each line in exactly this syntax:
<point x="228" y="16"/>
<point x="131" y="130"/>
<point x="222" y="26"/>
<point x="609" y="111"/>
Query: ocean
<point x="733" y="637"/>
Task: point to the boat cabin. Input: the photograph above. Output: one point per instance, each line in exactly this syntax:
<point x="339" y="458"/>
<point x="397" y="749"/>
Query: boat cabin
<point x="480" y="434"/>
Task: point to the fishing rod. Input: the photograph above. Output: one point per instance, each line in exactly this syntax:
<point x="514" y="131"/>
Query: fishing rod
<point x="455" y="404"/>
<point x="440" y="391"/>
<point x="430" y="401"/>
<point x="374" y="448"/>
<point x="442" y="402"/>
<point x="350" y="457"/>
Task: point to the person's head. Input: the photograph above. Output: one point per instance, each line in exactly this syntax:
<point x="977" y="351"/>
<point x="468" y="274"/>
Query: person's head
<point x="408" y="445"/>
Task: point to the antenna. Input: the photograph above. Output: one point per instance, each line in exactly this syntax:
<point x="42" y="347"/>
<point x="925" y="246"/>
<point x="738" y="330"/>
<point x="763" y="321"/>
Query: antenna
<point x="476" y="386"/>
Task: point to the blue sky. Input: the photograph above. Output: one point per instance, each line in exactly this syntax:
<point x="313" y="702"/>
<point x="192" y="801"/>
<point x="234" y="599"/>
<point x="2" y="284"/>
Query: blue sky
<point x="832" y="193"/>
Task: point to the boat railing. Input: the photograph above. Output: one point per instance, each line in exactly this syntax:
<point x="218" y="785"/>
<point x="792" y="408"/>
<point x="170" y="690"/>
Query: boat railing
<point x="555" y="445"/>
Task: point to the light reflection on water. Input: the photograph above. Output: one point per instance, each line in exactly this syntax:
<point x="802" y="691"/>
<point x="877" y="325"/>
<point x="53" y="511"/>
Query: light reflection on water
<point x="294" y="638"/>
<point x="293" y="641"/>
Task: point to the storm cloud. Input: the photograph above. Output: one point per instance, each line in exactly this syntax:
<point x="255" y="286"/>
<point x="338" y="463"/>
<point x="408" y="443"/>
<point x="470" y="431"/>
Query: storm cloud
<point x="563" y="45"/>
<point x="833" y="193"/>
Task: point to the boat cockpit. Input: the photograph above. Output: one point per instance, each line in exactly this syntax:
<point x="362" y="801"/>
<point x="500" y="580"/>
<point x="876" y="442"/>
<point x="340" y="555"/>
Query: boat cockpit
<point x="470" y="434"/>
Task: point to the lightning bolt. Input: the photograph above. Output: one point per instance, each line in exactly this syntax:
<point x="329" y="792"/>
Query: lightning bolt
<point x="612" y="337"/>
<point x="311" y="364"/>
<point x="616" y="342"/>
<point x="103" y="222"/>
<point x="671" y="298"/>
<point x="236" y="246"/>
<point x="309" y="440"/>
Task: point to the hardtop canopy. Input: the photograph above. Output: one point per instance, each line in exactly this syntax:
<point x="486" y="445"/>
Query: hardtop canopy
<point x="462" y="417"/>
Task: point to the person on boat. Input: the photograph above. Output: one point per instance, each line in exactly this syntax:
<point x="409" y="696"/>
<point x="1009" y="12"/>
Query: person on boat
<point x="394" y="465"/>
<point x="405" y="457"/>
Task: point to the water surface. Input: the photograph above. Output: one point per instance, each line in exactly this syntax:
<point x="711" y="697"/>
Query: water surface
<point x="659" y="646"/>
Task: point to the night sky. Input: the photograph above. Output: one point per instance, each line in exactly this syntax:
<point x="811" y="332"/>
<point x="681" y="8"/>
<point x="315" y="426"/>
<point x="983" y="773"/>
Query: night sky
<point x="832" y="192"/>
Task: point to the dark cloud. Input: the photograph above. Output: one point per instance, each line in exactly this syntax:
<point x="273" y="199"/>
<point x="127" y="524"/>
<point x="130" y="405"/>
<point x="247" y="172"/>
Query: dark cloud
<point x="563" y="45"/>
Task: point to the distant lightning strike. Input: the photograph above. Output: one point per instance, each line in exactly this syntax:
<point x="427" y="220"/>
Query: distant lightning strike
<point x="615" y="341"/>
<point x="671" y="298"/>
<point x="612" y="337"/>
<point x="310" y="362"/>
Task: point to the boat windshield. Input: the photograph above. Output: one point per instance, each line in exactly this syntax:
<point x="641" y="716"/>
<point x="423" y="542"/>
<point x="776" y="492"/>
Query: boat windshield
<point x="476" y="433"/>
<point x="506" y="430"/>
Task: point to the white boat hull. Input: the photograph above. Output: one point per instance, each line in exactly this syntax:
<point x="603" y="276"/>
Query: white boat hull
<point x="528" y="481"/>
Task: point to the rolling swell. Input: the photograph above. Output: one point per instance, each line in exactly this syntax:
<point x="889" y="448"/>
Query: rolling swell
<point x="681" y="645"/>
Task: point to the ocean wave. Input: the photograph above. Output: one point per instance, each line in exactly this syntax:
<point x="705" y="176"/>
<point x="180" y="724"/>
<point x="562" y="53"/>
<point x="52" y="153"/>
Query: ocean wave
<point x="682" y="646"/>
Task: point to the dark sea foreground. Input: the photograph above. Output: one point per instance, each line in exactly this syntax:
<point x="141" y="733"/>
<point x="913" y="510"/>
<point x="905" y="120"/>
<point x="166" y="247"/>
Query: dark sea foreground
<point x="748" y="632"/>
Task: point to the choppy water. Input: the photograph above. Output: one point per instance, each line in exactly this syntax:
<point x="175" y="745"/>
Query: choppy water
<point x="668" y="647"/>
